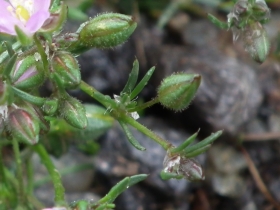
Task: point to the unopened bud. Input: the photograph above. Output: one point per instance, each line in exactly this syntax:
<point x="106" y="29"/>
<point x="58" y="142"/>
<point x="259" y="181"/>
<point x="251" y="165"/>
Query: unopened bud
<point x="177" y="91"/>
<point x="66" y="67"/>
<point x="256" y="42"/>
<point x="73" y="112"/>
<point x="107" y="30"/>
<point x="23" y="126"/>
<point x="50" y="106"/>
<point x="28" y="73"/>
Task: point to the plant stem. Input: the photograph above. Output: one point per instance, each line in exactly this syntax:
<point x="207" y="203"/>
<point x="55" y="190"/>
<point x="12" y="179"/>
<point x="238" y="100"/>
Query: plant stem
<point x="144" y="105"/>
<point x="55" y="176"/>
<point x="91" y="91"/>
<point x="30" y="176"/>
<point x="2" y="173"/>
<point x="19" y="173"/>
<point x="164" y="143"/>
<point x="121" y="115"/>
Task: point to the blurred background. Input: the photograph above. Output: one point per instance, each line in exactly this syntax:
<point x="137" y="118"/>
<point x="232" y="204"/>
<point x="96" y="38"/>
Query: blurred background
<point x="237" y="95"/>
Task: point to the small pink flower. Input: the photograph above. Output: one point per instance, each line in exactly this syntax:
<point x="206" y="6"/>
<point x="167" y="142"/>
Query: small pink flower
<point x="28" y="15"/>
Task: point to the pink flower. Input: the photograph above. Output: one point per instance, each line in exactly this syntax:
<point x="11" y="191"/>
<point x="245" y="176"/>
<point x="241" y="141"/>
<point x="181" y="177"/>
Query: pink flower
<point x="28" y="15"/>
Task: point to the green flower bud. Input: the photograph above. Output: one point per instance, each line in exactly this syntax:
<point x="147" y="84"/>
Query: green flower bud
<point x="66" y="67"/>
<point x="177" y="91"/>
<point x="106" y="30"/>
<point x="73" y="112"/>
<point x="28" y="73"/>
<point x="38" y="115"/>
<point x="256" y="42"/>
<point x="23" y="126"/>
<point x="50" y="106"/>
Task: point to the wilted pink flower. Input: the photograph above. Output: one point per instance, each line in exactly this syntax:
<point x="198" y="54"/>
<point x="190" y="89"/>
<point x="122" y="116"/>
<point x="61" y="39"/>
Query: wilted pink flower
<point x="28" y="15"/>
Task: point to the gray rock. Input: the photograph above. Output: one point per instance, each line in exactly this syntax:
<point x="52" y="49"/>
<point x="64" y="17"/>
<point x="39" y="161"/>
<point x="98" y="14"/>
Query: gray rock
<point x="229" y="94"/>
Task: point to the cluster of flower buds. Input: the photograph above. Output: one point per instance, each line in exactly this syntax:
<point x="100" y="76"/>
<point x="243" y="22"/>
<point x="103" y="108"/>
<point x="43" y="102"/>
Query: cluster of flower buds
<point x="246" y="20"/>
<point x="24" y="70"/>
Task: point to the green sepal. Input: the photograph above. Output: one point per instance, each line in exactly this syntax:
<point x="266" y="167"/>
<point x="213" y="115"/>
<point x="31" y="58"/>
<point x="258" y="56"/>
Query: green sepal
<point x="132" y="79"/>
<point x="72" y="111"/>
<point x="22" y="37"/>
<point x="203" y="143"/>
<point x="186" y="143"/>
<point x="66" y="67"/>
<point x="121" y="187"/>
<point x="55" y="5"/>
<point x="166" y="175"/>
<point x="131" y="138"/>
<point x="142" y="83"/>
<point x="29" y="74"/>
<point x="59" y="17"/>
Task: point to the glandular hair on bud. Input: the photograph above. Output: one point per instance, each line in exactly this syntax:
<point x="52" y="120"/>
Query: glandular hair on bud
<point x="106" y="30"/>
<point x="177" y="91"/>
<point x="67" y="69"/>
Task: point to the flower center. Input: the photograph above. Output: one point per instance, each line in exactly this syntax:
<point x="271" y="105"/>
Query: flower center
<point x="21" y="9"/>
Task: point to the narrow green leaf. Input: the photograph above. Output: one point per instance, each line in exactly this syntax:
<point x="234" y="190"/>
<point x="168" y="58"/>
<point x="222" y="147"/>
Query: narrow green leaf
<point x="184" y="144"/>
<point x="132" y="79"/>
<point x="217" y="22"/>
<point x="10" y="65"/>
<point x="197" y="152"/>
<point x="204" y="142"/>
<point x="130" y="137"/>
<point x="9" y="48"/>
<point x="30" y="98"/>
<point x="142" y="83"/>
<point x="121" y="187"/>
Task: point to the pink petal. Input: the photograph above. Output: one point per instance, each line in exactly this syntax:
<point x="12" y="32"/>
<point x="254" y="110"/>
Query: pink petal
<point x="42" y="5"/>
<point x="7" y="21"/>
<point x="36" y="21"/>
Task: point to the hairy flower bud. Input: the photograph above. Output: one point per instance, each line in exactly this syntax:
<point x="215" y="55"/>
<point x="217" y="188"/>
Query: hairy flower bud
<point x="106" y="30"/>
<point x="50" y="106"/>
<point x="66" y="67"/>
<point x="177" y="91"/>
<point x="23" y="126"/>
<point x="73" y="112"/>
<point x="256" y="42"/>
<point x="28" y="73"/>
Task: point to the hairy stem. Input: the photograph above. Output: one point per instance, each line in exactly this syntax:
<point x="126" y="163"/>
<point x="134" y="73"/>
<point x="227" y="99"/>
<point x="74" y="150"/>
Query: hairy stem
<point x="55" y="176"/>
